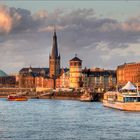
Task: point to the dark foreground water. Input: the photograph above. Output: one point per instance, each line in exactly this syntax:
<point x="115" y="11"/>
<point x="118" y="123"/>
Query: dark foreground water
<point x="62" y="120"/>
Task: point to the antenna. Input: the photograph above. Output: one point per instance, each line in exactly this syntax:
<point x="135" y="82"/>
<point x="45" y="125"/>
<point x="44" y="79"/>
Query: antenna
<point x="76" y="55"/>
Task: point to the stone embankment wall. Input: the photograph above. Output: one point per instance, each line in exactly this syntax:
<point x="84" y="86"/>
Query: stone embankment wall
<point x="63" y="95"/>
<point x="71" y="96"/>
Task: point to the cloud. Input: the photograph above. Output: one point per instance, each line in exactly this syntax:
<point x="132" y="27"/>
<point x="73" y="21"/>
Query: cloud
<point x="103" y="42"/>
<point x="17" y="20"/>
<point x="76" y="23"/>
<point x="5" y="20"/>
<point x="82" y="28"/>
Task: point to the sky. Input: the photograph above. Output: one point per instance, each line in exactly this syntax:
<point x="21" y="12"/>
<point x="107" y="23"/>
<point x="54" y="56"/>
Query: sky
<point x="103" y="33"/>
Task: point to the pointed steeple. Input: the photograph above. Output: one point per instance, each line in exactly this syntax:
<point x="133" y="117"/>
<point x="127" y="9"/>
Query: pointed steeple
<point x="54" y="53"/>
<point x="54" y="58"/>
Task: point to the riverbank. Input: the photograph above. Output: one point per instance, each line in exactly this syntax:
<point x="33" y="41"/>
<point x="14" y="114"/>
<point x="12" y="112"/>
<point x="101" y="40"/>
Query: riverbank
<point x="61" y="96"/>
<point x="58" y="95"/>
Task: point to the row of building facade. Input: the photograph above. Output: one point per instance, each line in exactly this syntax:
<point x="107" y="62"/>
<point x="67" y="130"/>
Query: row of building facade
<point x="73" y="76"/>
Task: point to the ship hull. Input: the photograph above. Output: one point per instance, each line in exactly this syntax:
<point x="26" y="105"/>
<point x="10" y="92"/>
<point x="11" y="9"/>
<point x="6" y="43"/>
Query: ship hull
<point x="131" y="106"/>
<point x="17" y="98"/>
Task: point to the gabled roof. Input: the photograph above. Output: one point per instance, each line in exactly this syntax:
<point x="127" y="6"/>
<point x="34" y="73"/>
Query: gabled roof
<point x="64" y="70"/>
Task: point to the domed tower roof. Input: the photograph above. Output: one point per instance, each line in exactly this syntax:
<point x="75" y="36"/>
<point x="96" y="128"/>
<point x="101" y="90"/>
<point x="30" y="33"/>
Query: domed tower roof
<point x="76" y="59"/>
<point x="2" y="73"/>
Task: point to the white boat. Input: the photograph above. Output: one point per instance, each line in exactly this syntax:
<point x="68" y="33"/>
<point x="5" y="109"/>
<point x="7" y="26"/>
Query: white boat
<point x="127" y="99"/>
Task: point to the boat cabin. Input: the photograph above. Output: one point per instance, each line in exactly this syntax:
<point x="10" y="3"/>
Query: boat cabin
<point x="132" y="99"/>
<point x="120" y="97"/>
<point x="127" y="98"/>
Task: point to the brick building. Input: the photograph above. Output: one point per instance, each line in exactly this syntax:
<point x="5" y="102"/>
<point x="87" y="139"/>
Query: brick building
<point x="64" y="78"/>
<point x="128" y="72"/>
<point x="43" y="77"/>
<point x="54" y="59"/>
<point x="75" y="77"/>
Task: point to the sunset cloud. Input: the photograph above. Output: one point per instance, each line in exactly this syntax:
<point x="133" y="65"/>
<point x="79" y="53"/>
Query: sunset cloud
<point x="16" y="20"/>
<point x="5" y="20"/>
<point x="28" y="37"/>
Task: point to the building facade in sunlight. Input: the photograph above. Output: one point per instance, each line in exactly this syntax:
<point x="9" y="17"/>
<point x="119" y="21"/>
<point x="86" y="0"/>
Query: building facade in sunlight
<point x="72" y="77"/>
<point x="54" y="59"/>
<point x="128" y="72"/>
<point x="75" y="80"/>
<point x="42" y="78"/>
<point x="99" y="79"/>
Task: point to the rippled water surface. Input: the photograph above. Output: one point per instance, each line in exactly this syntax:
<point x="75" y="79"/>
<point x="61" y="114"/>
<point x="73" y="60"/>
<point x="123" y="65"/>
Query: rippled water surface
<point x="62" y="120"/>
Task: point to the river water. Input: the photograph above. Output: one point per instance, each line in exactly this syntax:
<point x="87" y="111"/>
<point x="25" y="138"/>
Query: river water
<point x="65" y="120"/>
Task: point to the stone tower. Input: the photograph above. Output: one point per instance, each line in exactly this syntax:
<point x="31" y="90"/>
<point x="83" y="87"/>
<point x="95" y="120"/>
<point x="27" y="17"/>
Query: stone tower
<point x="54" y="59"/>
<point x="75" y="72"/>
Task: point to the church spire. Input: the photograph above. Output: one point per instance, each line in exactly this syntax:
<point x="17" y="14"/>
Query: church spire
<point x="54" y="58"/>
<point x="54" y="47"/>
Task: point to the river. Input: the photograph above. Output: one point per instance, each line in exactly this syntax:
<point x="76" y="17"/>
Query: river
<point x="65" y="120"/>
